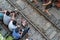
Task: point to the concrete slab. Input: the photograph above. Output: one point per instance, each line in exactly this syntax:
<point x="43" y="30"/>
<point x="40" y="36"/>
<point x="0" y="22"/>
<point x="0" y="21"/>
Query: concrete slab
<point x="5" y="5"/>
<point x="47" y="26"/>
<point x="53" y="34"/>
<point x="21" y="4"/>
<point x="55" y="12"/>
<point x="48" y="32"/>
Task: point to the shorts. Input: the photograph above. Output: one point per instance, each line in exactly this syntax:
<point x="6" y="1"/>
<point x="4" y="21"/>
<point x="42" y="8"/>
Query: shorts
<point x="48" y="6"/>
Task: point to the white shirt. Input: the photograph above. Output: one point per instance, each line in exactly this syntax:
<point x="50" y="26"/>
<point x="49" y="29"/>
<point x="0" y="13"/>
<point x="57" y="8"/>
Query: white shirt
<point x="11" y="26"/>
<point x="6" y="19"/>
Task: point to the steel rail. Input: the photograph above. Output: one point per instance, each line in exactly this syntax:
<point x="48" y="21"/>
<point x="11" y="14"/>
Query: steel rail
<point x="19" y="10"/>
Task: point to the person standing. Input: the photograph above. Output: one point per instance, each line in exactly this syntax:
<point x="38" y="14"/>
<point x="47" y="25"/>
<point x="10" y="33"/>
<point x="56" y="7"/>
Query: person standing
<point x="48" y="5"/>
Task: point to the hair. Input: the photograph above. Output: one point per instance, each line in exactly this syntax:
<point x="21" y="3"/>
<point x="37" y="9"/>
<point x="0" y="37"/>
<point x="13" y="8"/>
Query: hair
<point x="14" y="22"/>
<point x="7" y="13"/>
<point x="12" y="11"/>
<point x="16" y="30"/>
<point x="21" y="30"/>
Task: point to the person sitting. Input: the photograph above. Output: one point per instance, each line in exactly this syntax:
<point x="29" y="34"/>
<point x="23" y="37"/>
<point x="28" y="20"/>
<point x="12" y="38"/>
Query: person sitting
<point x="19" y="33"/>
<point x="13" y="12"/>
<point x="6" y="18"/>
<point x="24" y="22"/>
<point x="16" y="34"/>
<point x="1" y="14"/>
<point x="12" y="24"/>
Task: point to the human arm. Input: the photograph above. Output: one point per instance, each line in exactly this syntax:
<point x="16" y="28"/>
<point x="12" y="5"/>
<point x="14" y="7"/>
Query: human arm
<point x="47" y="3"/>
<point x="24" y="22"/>
<point x="4" y="11"/>
<point x="36" y="2"/>
<point x="13" y="17"/>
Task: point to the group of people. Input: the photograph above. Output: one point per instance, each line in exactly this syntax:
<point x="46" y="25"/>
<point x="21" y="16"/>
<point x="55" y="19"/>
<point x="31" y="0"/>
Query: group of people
<point x="48" y="4"/>
<point x="8" y="19"/>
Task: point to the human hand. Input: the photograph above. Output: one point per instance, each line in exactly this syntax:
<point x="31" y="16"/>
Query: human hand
<point x="5" y="11"/>
<point x="43" y="4"/>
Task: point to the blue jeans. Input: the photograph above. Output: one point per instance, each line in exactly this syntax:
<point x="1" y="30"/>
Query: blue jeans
<point x="24" y="32"/>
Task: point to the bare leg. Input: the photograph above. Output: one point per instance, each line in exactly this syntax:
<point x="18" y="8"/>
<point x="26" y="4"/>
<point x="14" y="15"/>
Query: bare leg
<point x="36" y="2"/>
<point x="47" y="12"/>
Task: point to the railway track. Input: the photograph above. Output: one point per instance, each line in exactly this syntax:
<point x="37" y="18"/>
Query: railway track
<point x="51" y="18"/>
<point x="19" y="10"/>
<point x="50" y="33"/>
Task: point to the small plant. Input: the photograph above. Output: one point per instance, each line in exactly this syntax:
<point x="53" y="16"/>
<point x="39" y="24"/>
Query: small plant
<point x="1" y="37"/>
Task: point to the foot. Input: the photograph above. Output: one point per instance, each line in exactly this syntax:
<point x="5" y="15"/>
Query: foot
<point x="49" y="14"/>
<point x="46" y="12"/>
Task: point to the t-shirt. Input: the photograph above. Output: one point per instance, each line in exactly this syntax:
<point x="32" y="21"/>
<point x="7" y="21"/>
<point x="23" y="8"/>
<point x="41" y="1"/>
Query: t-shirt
<point x="6" y="19"/>
<point x="16" y="35"/>
<point x="11" y="26"/>
<point x="1" y="16"/>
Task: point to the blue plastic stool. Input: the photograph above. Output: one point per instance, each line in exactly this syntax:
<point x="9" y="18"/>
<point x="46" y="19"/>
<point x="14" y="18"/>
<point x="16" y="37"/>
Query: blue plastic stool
<point x="1" y="16"/>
